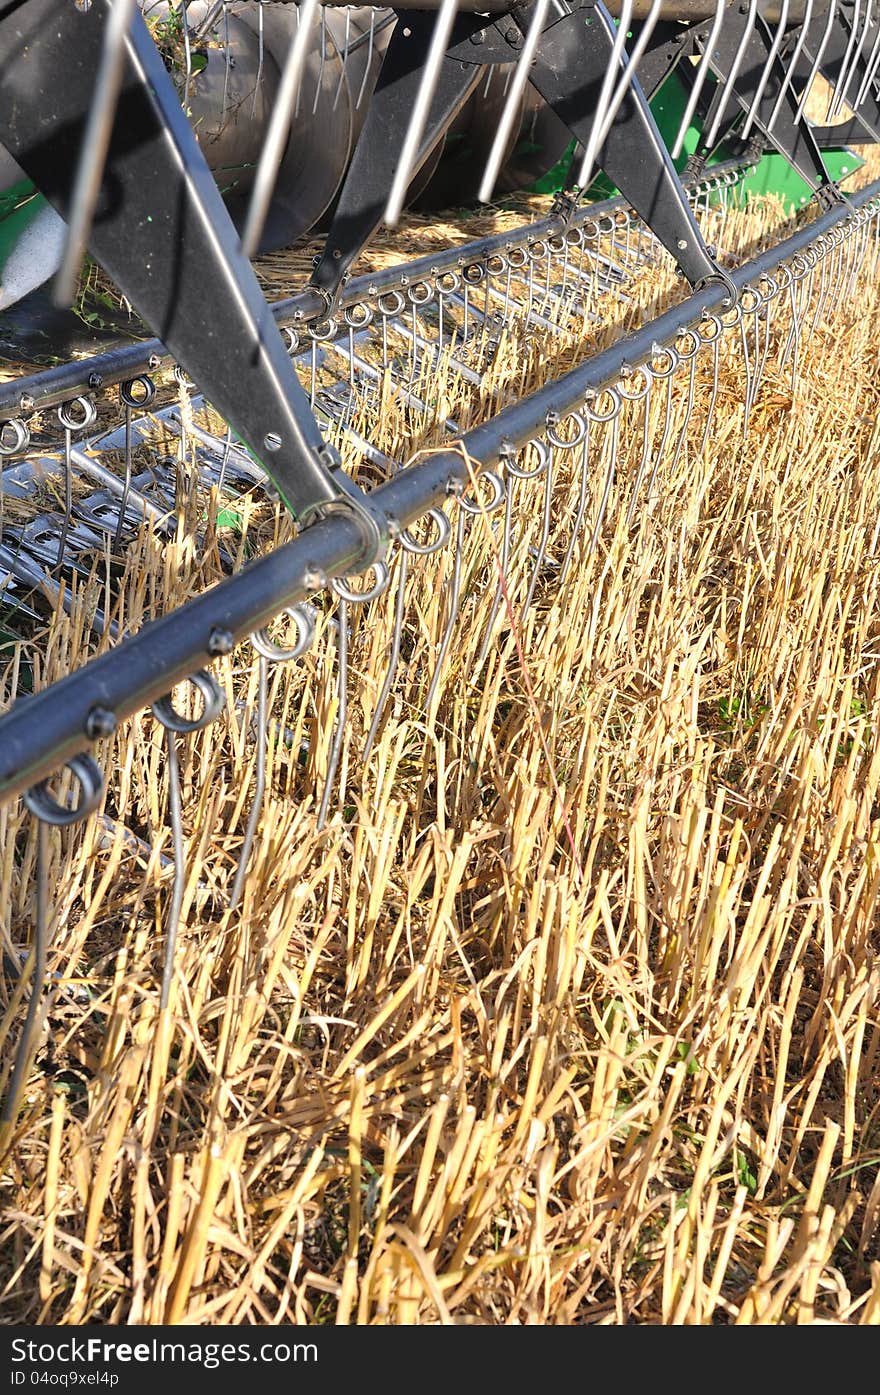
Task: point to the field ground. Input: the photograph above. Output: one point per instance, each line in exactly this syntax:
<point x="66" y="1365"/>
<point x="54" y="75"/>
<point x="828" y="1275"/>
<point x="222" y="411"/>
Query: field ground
<point x="569" y="1014"/>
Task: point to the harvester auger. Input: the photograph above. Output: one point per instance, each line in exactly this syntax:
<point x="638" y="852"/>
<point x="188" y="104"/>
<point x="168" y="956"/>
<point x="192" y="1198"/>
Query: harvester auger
<point x="175" y="143"/>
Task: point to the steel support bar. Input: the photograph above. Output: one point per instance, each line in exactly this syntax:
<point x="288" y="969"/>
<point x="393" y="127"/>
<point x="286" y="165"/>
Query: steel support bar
<point x="45" y="730"/>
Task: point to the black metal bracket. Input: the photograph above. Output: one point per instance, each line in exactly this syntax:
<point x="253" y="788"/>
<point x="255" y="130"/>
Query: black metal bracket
<point x="568" y="70"/>
<point x="570" y="65"/>
<point x="364" y="195"/>
<point x="867" y="117"/>
<point x="162" y="232"/>
<point x="785" y="132"/>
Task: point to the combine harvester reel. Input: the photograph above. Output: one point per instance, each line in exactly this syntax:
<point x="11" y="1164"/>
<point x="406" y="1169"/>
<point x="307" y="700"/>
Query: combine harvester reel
<point x="173" y="144"/>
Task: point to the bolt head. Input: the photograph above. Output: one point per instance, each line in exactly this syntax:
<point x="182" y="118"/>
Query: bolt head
<point x="220" y="641"/>
<point x="100" y="723"/>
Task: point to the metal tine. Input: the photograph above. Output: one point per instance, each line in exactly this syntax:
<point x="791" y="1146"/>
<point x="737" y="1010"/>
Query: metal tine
<point x="688" y="410"/>
<point x="126" y="490"/>
<point x="435" y="351"/>
<point x="610" y="473"/>
<point x="41" y="956"/>
<point x="261" y="56"/>
<point x="202" y="26"/>
<point x="857" y="55"/>
<point x="93" y="154"/>
<point x="279" y="128"/>
<point x="511" y="105"/>
<point x="629" y="72"/>
<point x="374" y="374"/>
<point x="583" y="496"/>
<point x="341" y="709"/>
<point x="503" y="560"/>
<point x="817" y="60"/>
<point x="260" y="739"/>
<point x="452" y="616"/>
<point x="323" y="61"/>
<point x="767" y="70"/>
<point x="394" y="656"/>
<point x="713" y="395"/>
<point x="416" y="129"/>
<point x="68" y="497"/>
<point x="646" y="445"/>
<point x="699" y="78"/>
<point x="371" y="39"/>
<point x="668" y="375"/>
<point x="545" y="537"/>
<point x="766" y="318"/>
<point x="226" y="64"/>
<point x="870" y="69"/>
<point x="747" y="362"/>
<point x="843" y="76"/>
<point x="790" y="71"/>
<point x="343" y="56"/>
<point x="793" y="342"/>
<point x="175" y="816"/>
<point x="603" y="104"/>
<point x="738" y="57"/>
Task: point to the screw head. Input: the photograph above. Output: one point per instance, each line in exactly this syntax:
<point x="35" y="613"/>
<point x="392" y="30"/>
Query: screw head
<point x="682" y="244"/>
<point x="99" y="723"/>
<point x="220" y="641"/>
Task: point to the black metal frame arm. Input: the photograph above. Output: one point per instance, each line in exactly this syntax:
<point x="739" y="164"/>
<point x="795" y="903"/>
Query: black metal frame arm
<point x="161" y="231"/>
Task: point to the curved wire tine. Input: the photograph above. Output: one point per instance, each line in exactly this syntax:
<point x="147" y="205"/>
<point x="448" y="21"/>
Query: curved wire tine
<point x="68" y="498"/>
<point x="503" y="562"/>
<point x="126" y="488"/>
<point x="605" y="96"/>
<point x="175" y="818"/>
<point x="416" y="128"/>
<point x="260" y="738"/>
<point x="394" y="656"/>
<point x="93" y="153"/>
<point x="713" y="396"/>
<point x="279" y="129"/>
<point x="688" y="412"/>
<point x="870" y="68"/>
<point x="857" y="55"/>
<point x="583" y="496"/>
<point x="843" y="76"/>
<point x="343" y="56"/>
<point x="511" y="105"/>
<point x="202" y="26"/>
<point x="371" y="39"/>
<point x="786" y="82"/>
<point x="767" y="70"/>
<point x="699" y="78"/>
<point x="711" y="134"/>
<point x="323" y="62"/>
<point x="610" y="476"/>
<point x="629" y="71"/>
<point x="261" y="58"/>
<point x="40" y="964"/>
<point x="453" y="612"/>
<point x="341" y="709"/>
<point x="545" y="536"/>
<point x="817" y="61"/>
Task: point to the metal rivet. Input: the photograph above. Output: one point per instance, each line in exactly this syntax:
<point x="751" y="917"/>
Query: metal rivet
<point x="220" y="641"/>
<point x="99" y="723"/>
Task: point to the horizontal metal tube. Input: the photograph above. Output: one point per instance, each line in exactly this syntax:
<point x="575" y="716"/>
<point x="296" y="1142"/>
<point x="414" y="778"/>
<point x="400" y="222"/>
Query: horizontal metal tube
<point x="43" y="731"/>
